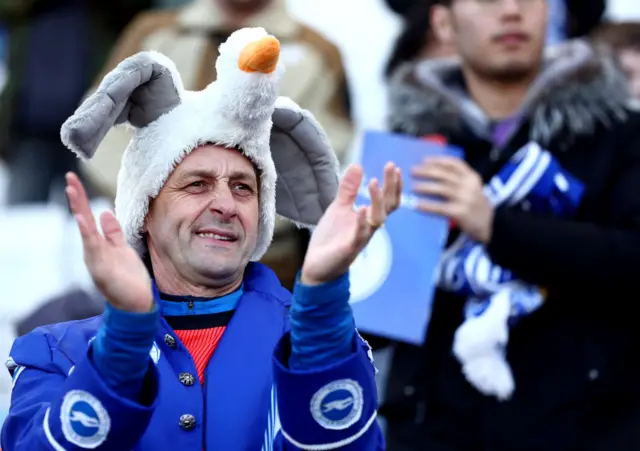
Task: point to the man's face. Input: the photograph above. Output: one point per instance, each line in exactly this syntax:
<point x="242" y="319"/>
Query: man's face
<point x="203" y="226"/>
<point x="499" y="39"/>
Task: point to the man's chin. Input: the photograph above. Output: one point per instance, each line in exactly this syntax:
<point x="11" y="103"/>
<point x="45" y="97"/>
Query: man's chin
<point x="218" y="269"/>
<point x="513" y="71"/>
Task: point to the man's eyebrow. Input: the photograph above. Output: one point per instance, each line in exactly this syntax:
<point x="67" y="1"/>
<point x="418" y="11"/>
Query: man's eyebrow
<point x="196" y="173"/>
<point x="235" y="175"/>
<point x="243" y="175"/>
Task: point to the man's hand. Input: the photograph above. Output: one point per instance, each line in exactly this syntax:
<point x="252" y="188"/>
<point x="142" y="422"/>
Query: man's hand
<point x="461" y="191"/>
<point x="342" y="231"/>
<point x="116" y="269"/>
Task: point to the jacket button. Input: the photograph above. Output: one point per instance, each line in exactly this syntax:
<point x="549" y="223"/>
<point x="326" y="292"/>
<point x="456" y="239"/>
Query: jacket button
<point x="186" y="379"/>
<point x="170" y="341"/>
<point x="187" y="422"/>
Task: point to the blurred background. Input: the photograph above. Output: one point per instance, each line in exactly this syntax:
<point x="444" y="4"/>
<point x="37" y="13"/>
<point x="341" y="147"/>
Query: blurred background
<point x="53" y="52"/>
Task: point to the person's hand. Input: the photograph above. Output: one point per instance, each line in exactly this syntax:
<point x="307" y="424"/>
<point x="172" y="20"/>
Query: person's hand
<point x="116" y="269"/>
<point x="461" y="194"/>
<point x="342" y="231"/>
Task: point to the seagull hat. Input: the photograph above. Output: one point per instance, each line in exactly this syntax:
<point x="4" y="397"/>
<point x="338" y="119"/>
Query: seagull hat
<point x="240" y="110"/>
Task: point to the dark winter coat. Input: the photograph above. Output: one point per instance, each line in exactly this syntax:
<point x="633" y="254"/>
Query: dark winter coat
<point x="575" y="360"/>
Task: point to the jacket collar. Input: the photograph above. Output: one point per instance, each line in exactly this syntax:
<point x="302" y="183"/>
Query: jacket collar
<point x="207" y="15"/>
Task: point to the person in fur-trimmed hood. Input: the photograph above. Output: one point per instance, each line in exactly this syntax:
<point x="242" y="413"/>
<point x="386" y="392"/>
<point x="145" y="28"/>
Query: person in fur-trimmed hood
<point x="200" y="347"/>
<point x="563" y="373"/>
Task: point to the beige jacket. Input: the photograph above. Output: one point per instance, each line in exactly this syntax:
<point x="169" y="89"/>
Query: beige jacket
<point x="190" y="36"/>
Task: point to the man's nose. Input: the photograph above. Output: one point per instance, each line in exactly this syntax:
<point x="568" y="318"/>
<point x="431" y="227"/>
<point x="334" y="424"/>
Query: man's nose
<point x="511" y="7"/>
<point x="223" y="202"/>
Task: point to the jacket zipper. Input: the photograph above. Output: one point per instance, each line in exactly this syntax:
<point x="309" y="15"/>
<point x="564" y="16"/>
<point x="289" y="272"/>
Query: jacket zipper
<point x="495" y="153"/>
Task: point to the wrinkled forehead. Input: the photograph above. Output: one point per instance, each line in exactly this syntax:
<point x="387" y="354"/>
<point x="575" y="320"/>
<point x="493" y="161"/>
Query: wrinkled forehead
<point x="216" y="160"/>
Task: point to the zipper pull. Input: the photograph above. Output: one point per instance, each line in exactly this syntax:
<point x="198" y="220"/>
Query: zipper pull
<point x="190" y="304"/>
<point x="494" y="155"/>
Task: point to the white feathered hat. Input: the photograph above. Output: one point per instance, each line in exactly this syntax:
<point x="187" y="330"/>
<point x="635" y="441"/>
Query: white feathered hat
<point x="241" y="109"/>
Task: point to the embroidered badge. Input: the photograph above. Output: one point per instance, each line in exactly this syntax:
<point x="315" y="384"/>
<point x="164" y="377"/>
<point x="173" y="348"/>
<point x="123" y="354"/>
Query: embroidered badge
<point x="85" y="422"/>
<point x="338" y="405"/>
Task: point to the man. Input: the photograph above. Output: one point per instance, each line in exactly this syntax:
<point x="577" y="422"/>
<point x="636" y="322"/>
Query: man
<point x="573" y="359"/>
<point x="190" y="36"/>
<point x="624" y="39"/>
<point x="74" y="37"/>
<point x="416" y="41"/>
<point x="182" y="359"/>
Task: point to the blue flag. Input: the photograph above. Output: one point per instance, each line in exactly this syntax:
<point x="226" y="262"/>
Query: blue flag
<point x="392" y="280"/>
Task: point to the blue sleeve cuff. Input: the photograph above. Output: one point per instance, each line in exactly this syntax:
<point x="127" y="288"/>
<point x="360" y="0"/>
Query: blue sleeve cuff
<point x="328" y="407"/>
<point x="322" y="325"/>
<point x="133" y="325"/>
<point x="323" y="293"/>
<point x="121" y="349"/>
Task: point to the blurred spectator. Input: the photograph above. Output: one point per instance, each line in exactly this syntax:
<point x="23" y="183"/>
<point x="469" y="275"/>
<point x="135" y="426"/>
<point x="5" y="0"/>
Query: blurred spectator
<point x="190" y="36"/>
<point x="574" y="358"/>
<point x="76" y="304"/>
<point x="416" y="40"/>
<point x="624" y="39"/>
<point x="56" y="49"/>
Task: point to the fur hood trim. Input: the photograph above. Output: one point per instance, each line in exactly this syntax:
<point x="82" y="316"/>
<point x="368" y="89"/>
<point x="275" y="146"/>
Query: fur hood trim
<point x="579" y="87"/>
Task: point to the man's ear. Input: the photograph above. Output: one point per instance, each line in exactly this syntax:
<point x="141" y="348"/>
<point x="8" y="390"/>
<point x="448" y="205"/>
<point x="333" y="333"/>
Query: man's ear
<point x="442" y="25"/>
<point x="145" y="228"/>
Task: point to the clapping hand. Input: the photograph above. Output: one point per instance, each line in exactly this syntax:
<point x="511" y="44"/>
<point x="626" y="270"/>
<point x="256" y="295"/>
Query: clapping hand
<point x="343" y="231"/>
<point x="117" y="270"/>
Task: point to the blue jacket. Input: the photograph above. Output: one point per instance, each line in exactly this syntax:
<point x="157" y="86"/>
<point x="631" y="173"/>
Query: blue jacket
<point x="250" y="401"/>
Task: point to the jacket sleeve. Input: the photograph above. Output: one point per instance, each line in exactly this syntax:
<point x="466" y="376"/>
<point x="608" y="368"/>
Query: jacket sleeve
<point x="330" y="408"/>
<point x="61" y="407"/>
<point x="551" y="251"/>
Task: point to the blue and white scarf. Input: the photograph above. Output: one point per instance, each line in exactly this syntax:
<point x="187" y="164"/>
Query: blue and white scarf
<point x="496" y="299"/>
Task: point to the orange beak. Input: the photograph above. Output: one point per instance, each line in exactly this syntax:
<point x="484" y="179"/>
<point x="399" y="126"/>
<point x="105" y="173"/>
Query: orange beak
<point x="260" y="56"/>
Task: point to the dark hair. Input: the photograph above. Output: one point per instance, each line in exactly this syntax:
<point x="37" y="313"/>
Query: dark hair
<point x="413" y="37"/>
<point x="618" y="35"/>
